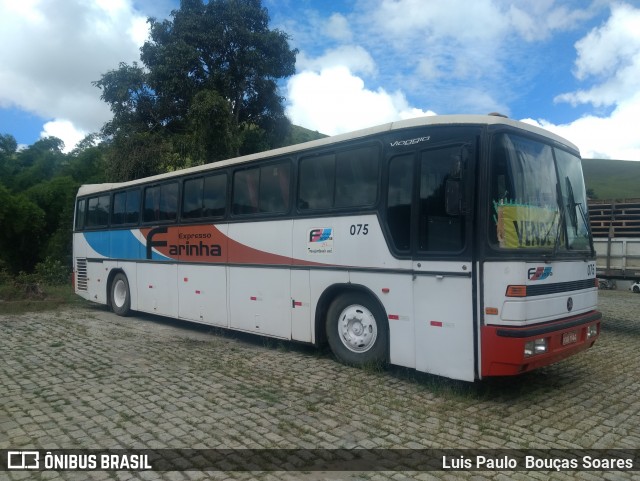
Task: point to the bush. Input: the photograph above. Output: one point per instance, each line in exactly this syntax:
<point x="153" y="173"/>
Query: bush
<point x="52" y="272"/>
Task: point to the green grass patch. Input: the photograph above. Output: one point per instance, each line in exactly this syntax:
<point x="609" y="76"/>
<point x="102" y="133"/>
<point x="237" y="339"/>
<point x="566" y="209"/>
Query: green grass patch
<point x="19" y="298"/>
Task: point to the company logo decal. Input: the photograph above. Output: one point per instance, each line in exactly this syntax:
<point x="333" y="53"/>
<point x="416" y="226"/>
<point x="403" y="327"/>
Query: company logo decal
<point x="320" y="241"/>
<point x="539" y="273"/>
<point x="186" y="244"/>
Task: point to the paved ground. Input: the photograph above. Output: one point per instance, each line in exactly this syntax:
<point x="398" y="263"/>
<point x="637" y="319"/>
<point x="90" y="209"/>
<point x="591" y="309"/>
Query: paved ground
<point x="84" y="378"/>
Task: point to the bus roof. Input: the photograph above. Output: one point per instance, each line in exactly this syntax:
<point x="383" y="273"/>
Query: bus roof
<point x="401" y="124"/>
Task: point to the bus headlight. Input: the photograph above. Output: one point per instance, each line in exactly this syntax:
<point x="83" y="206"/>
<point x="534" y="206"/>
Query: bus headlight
<point x="538" y="346"/>
<point x="592" y="331"/>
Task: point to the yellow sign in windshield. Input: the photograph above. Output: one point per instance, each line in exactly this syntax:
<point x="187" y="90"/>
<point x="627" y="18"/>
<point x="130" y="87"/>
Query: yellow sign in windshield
<point x="526" y="226"/>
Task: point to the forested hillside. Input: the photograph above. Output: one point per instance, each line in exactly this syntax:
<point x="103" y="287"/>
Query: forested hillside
<point x="38" y="185"/>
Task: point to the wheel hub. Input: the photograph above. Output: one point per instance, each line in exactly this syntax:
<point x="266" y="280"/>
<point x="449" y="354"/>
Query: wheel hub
<point x="358" y="328"/>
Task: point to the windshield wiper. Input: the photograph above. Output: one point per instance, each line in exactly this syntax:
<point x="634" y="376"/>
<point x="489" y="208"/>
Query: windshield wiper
<point x="583" y="215"/>
<point x="556" y="242"/>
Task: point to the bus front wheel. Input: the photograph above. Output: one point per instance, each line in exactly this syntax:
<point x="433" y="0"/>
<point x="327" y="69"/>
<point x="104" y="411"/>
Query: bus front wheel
<point x="120" y="295"/>
<point x="357" y="331"/>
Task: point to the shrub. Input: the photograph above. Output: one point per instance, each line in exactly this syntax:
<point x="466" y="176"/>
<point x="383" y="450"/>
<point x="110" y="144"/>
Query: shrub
<point x="52" y="272"/>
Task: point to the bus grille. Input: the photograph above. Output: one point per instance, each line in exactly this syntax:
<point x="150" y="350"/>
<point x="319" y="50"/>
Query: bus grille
<point x="544" y="289"/>
<point x="81" y="274"/>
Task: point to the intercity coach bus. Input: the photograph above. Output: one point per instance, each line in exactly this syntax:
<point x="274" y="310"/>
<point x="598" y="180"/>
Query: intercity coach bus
<point x="455" y="245"/>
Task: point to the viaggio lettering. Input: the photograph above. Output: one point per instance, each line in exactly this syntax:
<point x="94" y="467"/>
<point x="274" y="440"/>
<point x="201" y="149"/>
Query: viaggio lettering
<point x="417" y="140"/>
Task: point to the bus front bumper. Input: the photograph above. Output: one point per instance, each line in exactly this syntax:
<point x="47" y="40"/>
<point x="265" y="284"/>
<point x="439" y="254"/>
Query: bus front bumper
<point x="507" y="351"/>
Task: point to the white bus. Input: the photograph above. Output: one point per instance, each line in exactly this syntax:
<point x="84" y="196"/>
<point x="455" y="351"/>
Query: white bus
<point x="455" y="245"/>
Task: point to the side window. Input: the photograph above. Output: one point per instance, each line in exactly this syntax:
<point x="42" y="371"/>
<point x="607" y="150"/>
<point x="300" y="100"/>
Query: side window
<point x="274" y="188"/>
<point x="262" y="189"/>
<point x="245" y="191"/>
<point x="205" y="197"/>
<point x="348" y="178"/>
<point x="161" y="203"/>
<point x="437" y="230"/>
<point x="126" y="207"/>
<point x="119" y="208"/>
<point x="214" y="203"/>
<point x="98" y="211"/>
<point x="133" y="207"/>
<point x="399" y="195"/>
<point x="357" y="177"/>
<point x="81" y="209"/>
<point x="317" y="182"/>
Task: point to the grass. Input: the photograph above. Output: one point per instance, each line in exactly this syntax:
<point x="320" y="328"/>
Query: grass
<point x="17" y="298"/>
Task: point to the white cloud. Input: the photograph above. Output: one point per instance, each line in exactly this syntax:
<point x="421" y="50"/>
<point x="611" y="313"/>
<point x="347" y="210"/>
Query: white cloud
<point x="354" y="57"/>
<point x="538" y="19"/>
<point x="609" y="53"/>
<point x="612" y="137"/>
<point x="334" y="101"/>
<point x="337" y="28"/>
<point x="54" y="50"/>
<point x="64" y="130"/>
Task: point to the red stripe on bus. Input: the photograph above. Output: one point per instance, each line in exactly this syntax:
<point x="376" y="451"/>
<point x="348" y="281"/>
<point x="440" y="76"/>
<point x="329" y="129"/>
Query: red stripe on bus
<point x="394" y="317"/>
<point x="436" y="323"/>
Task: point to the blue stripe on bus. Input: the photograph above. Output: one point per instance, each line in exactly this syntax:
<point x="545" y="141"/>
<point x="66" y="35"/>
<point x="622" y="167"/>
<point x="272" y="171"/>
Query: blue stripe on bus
<point x="119" y="244"/>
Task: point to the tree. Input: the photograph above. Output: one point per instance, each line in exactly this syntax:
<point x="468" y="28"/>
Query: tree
<point x="37" y="163"/>
<point x="207" y="89"/>
<point x="8" y="148"/>
<point x="22" y="231"/>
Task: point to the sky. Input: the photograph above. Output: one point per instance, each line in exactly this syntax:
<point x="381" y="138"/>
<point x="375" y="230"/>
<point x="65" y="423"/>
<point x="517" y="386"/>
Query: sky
<point x="570" y="66"/>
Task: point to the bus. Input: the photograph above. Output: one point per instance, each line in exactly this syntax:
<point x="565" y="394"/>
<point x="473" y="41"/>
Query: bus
<point x="454" y="245"/>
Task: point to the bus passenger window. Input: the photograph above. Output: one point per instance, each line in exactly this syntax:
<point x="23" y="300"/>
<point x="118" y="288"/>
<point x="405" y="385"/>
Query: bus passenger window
<point x="126" y="207"/>
<point x="245" y="191"/>
<point x="214" y="196"/>
<point x="204" y="197"/>
<point x="192" y="199"/>
<point x="357" y="177"/>
<point x="274" y="188"/>
<point x="161" y="202"/>
<point x="98" y="211"/>
<point x="317" y="182"/>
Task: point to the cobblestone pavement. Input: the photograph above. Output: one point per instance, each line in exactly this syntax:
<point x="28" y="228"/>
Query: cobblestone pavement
<point x="84" y="378"/>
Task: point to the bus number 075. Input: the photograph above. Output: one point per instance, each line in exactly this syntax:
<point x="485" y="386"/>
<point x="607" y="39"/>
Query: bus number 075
<point x="359" y="229"/>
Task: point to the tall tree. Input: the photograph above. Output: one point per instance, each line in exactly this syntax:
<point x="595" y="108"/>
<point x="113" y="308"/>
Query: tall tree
<point x="208" y="89"/>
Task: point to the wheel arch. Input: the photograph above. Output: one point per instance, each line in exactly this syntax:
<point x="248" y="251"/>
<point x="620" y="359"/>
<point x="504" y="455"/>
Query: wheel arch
<point x="329" y="295"/>
<point x="112" y="275"/>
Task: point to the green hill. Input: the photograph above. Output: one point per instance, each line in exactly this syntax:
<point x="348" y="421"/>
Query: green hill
<point x="612" y="179"/>
<point x="300" y="134"/>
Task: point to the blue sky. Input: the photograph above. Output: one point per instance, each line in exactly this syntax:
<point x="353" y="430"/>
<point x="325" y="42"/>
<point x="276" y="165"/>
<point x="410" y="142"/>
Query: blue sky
<point x="571" y="66"/>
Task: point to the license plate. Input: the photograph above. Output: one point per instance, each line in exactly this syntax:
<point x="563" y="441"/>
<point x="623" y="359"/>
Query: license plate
<point x="569" y="337"/>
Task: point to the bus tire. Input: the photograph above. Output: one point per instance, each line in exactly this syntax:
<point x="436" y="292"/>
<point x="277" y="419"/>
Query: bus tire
<point x="120" y="295"/>
<point x="357" y="330"/>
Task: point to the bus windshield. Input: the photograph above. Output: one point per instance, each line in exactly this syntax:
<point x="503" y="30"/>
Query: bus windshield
<point x="538" y="197"/>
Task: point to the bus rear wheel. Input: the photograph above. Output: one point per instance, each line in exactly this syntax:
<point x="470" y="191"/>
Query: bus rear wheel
<point x="357" y="330"/>
<point x="120" y="295"/>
